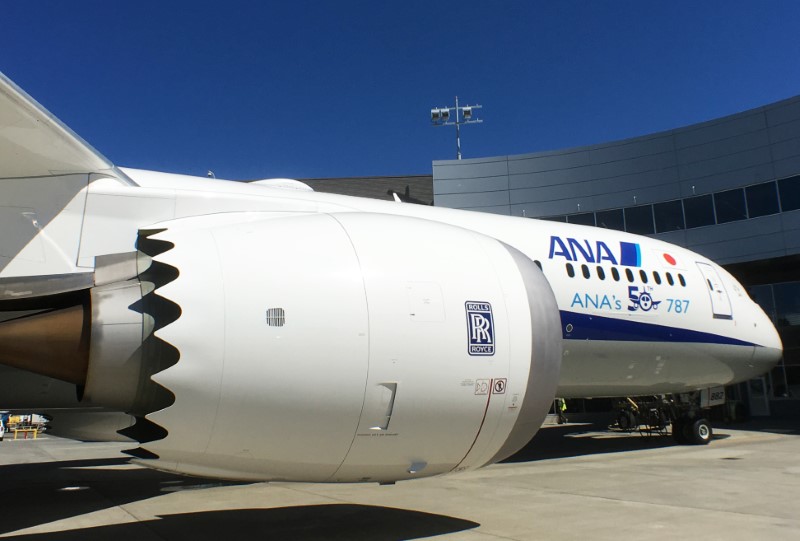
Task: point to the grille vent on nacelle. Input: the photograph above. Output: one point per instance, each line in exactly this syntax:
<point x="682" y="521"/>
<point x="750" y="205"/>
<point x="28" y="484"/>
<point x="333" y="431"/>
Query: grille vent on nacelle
<point x="276" y="317"/>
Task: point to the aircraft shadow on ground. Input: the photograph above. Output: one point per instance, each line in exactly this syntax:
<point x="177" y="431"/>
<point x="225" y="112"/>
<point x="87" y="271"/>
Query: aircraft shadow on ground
<point x="586" y="439"/>
<point x="302" y="523"/>
<point x="789" y="426"/>
<point x="42" y="492"/>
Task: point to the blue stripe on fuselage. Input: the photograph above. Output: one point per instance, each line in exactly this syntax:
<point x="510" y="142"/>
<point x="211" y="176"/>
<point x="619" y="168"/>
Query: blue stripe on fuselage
<point x="593" y="327"/>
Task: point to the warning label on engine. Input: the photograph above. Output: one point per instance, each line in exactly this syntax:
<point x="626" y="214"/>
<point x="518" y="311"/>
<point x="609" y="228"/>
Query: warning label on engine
<point x="482" y="386"/>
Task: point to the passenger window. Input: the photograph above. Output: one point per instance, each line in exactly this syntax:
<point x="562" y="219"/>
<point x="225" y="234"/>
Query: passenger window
<point x="615" y="274"/>
<point x="629" y="275"/>
<point x="570" y="270"/>
<point x="601" y="273"/>
<point x="657" y="277"/>
<point x="681" y="280"/>
<point x="670" y="281"/>
<point x="643" y="276"/>
<point x="585" y="271"/>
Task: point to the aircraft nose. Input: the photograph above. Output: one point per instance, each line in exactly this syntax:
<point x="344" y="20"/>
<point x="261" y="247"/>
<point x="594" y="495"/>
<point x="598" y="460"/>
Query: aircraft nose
<point x="771" y="350"/>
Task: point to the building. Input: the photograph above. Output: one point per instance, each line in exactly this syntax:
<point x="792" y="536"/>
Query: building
<point x="728" y="189"/>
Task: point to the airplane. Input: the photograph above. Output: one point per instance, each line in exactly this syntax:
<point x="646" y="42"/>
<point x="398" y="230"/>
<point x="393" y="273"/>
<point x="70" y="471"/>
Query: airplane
<point x="262" y="331"/>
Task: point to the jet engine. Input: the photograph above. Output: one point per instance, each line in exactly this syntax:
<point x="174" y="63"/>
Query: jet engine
<point x="315" y="347"/>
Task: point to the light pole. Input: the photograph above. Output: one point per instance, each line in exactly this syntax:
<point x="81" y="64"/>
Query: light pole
<point x="440" y="116"/>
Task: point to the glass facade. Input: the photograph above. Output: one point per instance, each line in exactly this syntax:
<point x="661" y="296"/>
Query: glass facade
<point x="762" y="199"/>
<point x="669" y="216"/>
<point x="699" y="211"/>
<point x="611" y="219"/>
<point x="753" y="201"/>
<point x="586" y="218"/>
<point x="639" y="220"/>
<point x="730" y="206"/>
<point x="782" y="303"/>
<point x="790" y="193"/>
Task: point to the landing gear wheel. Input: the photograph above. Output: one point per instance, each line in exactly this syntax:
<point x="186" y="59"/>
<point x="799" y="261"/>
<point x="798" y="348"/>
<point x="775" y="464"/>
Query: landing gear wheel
<point x="679" y="431"/>
<point x="626" y="421"/>
<point x="700" y="432"/>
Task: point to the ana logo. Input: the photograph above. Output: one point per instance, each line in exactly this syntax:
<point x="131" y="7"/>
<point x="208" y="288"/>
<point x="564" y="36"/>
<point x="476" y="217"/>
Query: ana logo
<point x="480" y="328"/>
<point x="629" y="254"/>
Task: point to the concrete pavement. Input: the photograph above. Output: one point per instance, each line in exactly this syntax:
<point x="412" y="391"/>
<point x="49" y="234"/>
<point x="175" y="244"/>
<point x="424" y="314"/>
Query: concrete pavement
<point x="571" y="482"/>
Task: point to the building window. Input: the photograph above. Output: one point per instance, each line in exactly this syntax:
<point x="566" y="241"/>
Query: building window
<point x="762" y="199"/>
<point x="730" y="206"/>
<point x="790" y="193"/>
<point x="669" y="216"/>
<point x="639" y="220"/>
<point x="781" y="302"/>
<point x="555" y="218"/>
<point x="585" y="218"/>
<point x="699" y="211"/>
<point x="611" y="219"/>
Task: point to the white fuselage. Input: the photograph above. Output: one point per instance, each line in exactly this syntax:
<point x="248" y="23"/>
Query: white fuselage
<point x="639" y="316"/>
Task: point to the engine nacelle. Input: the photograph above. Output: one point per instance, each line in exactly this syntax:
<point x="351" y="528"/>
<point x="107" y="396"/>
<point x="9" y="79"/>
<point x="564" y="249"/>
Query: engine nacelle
<point x="326" y="347"/>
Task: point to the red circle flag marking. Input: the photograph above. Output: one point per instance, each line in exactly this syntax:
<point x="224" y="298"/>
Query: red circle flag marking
<point x="670" y="259"/>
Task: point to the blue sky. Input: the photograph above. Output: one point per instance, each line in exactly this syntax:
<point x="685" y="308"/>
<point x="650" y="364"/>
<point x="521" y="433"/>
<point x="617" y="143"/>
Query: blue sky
<point x="254" y="89"/>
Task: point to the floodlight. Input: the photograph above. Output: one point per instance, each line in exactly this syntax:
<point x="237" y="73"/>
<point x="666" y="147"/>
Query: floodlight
<point x="440" y="116"/>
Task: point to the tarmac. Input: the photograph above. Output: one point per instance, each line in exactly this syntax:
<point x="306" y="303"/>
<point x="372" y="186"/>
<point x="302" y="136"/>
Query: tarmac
<point x="571" y="482"/>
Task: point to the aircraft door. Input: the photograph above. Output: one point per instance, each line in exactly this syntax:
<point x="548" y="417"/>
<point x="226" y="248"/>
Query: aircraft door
<point x="720" y="302"/>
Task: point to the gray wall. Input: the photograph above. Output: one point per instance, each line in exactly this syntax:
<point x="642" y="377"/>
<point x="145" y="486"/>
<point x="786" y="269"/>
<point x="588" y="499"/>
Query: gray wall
<point x="730" y="152"/>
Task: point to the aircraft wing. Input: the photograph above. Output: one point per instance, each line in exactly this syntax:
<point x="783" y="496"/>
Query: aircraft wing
<point x="44" y="170"/>
<point x="34" y="143"/>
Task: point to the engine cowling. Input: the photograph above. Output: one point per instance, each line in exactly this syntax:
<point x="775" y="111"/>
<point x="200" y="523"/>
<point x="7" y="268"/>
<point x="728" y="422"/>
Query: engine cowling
<point x="326" y="347"/>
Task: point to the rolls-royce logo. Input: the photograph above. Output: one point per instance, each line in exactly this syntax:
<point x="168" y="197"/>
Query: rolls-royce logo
<point x="480" y="328"/>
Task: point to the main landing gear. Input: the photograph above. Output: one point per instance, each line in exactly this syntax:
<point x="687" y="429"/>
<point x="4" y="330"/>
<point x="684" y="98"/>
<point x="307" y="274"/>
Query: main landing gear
<point x="693" y="431"/>
<point x="652" y="415"/>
